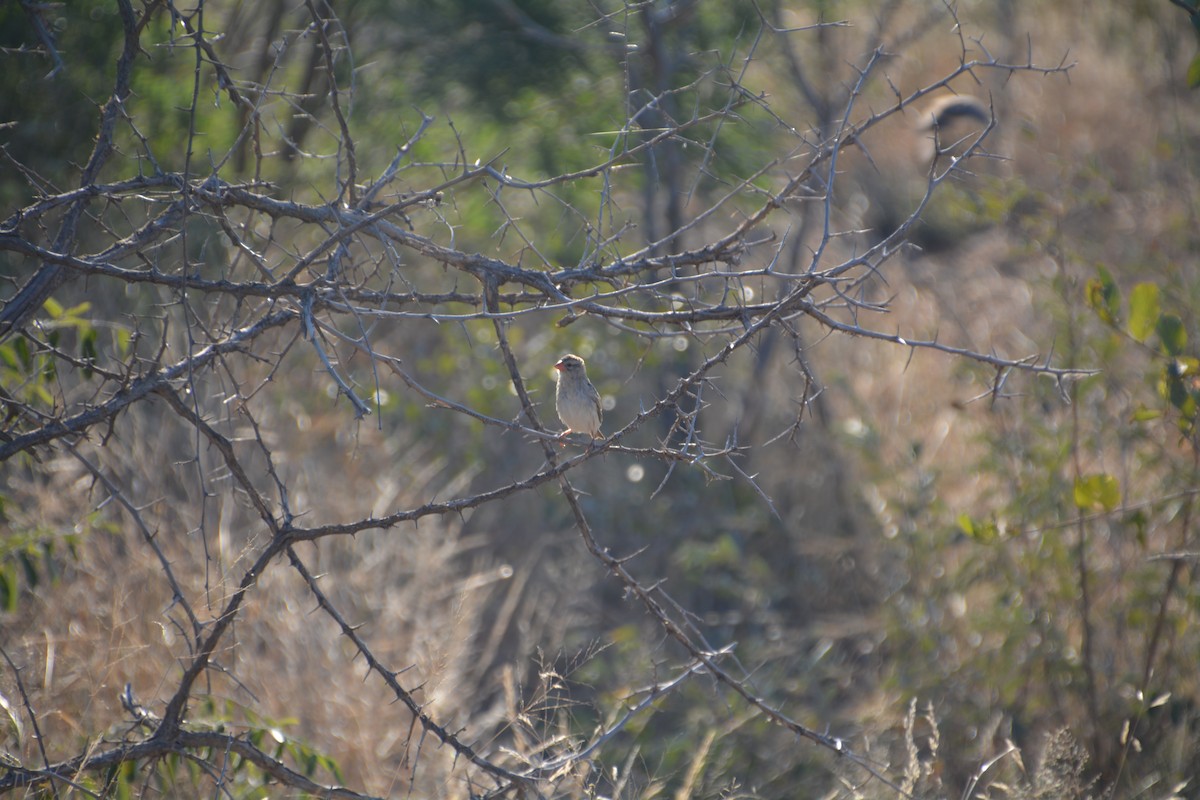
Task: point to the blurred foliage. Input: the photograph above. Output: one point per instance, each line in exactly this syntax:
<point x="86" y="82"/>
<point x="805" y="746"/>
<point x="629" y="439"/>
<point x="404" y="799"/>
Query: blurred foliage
<point x="175" y="775"/>
<point x="45" y="136"/>
<point x="32" y="561"/>
<point x="1065" y="596"/>
<point x="33" y="557"/>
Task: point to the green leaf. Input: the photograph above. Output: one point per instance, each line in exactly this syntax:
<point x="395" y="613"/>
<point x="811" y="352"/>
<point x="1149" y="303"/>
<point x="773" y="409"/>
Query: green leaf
<point x="9" y="590"/>
<point x="40" y="392"/>
<point x="1100" y="491"/>
<point x="982" y="531"/>
<point x="1139" y="522"/>
<point x="23" y="354"/>
<point x="1179" y="387"/>
<point x="1144" y="414"/>
<point x="1172" y="334"/>
<point x="87" y="349"/>
<point x="53" y="308"/>
<point x="1193" y="73"/>
<point x="1104" y="297"/>
<point x="1183" y="367"/>
<point x="79" y="310"/>
<point x="9" y="356"/>
<point x="1143" y="310"/>
<point x="122" y="340"/>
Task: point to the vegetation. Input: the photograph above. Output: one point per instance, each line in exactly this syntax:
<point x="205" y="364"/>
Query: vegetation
<point x="897" y="493"/>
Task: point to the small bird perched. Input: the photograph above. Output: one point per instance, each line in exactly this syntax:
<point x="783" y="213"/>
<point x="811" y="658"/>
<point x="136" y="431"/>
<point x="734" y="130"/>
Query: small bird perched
<point x="576" y="399"/>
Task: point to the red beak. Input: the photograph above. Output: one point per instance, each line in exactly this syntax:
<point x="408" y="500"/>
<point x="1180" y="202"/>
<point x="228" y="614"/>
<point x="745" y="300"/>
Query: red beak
<point x="559" y="366"/>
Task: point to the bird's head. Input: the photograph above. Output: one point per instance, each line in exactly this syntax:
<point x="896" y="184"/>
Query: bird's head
<point x="569" y="363"/>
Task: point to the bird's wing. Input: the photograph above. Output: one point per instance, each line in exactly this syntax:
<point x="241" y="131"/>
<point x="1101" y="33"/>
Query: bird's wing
<point x="596" y="399"/>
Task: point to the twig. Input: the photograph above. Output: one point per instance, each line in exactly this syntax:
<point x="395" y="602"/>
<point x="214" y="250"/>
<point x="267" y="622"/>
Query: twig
<point x="177" y="595"/>
<point x="33" y="720"/>
<point x="653" y="694"/>
<point x="389" y="677"/>
<point x="361" y="409"/>
<point x="140" y="388"/>
<point x="34" y="13"/>
<point x="184" y="743"/>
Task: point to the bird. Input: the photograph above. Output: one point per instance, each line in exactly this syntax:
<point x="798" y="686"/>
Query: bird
<point x="948" y="109"/>
<point x="576" y="399"/>
<point x="950" y="124"/>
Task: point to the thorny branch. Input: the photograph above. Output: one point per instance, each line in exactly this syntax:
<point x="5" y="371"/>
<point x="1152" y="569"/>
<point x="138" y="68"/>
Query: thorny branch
<point x="388" y="260"/>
